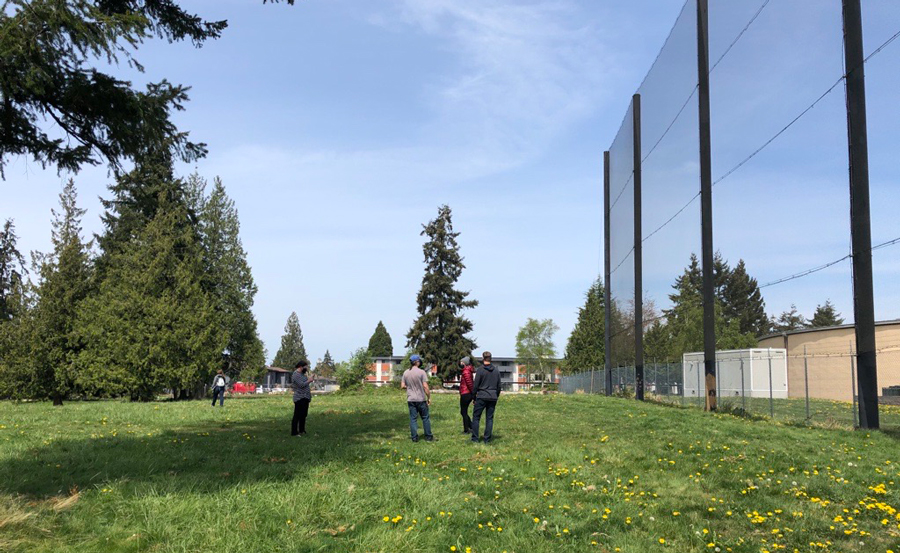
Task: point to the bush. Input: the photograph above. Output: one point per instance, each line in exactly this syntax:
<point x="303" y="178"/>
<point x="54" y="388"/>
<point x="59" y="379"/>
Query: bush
<point x="435" y="383"/>
<point x="350" y="373"/>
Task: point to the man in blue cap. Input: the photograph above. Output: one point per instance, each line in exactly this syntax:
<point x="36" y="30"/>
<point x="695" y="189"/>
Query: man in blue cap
<point x="418" y="397"/>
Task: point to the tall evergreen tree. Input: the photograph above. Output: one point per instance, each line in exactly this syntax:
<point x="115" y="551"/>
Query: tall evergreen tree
<point x="789" y="320"/>
<point x="64" y="285"/>
<point x="54" y="56"/>
<point x="151" y="326"/>
<point x="12" y="269"/>
<point x="136" y="200"/>
<point x="743" y="301"/>
<point x="292" y="350"/>
<point x="825" y="316"/>
<point x="228" y="279"/>
<point x="657" y="342"/>
<point x="326" y="367"/>
<point x="684" y="320"/>
<point x="380" y="344"/>
<point x="16" y="320"/>
<point x="585" y="349"/>
<point x="440" y="334"/>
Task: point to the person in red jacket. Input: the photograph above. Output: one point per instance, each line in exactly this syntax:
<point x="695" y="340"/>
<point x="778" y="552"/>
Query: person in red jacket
<point x="466" y="393"/>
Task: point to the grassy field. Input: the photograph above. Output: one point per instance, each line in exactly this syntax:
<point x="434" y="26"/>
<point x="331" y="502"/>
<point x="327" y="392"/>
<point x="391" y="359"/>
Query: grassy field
<point x="565" y="473"/>
<point x="822" y="412"/>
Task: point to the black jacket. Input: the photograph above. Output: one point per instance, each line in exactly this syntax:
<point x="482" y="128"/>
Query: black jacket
<point x="487" y="383"/>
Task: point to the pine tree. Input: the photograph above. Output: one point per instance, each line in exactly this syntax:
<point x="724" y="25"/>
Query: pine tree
<point x="65" y="283"/>
<point x="151" y="326"/>
<point x="657" y="342"/>
<point x="292" y="350"/>
<point x="380" y="344"/>
<point x="326" y="367"/>
<point x="684" y="320"/>
<point x="136" y="200"/>
<point x="743" y="301"/>
<point x="585" y="349"/>
<point x="789" y="320"/>
<point x="825" y="316"/>
<point x="439" y="334"/>
<point x="228" y="278"/>
<point x="17" y="322"/>
<point x="54" y="54"/>
<point x="12" y="270"/>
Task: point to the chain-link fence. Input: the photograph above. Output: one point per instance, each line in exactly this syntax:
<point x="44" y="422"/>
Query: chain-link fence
<point x="815" y="386"/>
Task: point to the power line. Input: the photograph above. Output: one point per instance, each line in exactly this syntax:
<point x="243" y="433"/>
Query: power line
<point x="827" y="265"/>
<point x="779" y="133"/>
<point x="805" y="273"/>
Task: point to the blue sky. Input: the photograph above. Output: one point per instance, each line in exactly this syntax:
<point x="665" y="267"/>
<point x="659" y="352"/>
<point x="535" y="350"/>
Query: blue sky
<point x="339" y="127"/>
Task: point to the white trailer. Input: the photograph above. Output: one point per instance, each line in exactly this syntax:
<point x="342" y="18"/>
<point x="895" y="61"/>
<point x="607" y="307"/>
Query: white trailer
<point x="741" y="372"/>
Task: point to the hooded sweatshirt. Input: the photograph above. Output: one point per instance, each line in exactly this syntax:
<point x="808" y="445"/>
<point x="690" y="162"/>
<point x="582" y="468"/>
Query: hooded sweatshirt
<point x="487" y="383"/>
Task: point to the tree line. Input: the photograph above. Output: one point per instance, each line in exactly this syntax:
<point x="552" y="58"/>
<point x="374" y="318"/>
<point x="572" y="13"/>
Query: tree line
<point x="160" y="300"/>
<point x="740" y="319"/>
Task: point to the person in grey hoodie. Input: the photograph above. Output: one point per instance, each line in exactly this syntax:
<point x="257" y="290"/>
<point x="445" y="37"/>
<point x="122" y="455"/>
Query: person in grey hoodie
<point x="487" y="391"/>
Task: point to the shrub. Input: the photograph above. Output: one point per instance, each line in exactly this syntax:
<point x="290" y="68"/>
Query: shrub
<point x="350" y="373"/>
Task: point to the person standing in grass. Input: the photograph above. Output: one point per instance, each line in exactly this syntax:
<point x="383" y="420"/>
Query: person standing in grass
<point x="220" y="383"/>
<point x="486" y="386"/>
<point x="418" y="398"/>
<point x="465" y="393"/>
<point x="302" y="397"/>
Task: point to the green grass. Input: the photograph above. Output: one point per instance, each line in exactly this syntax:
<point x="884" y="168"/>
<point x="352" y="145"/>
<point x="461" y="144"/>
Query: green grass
<point x="822" y="412"/>
<point x="566" y="473"/>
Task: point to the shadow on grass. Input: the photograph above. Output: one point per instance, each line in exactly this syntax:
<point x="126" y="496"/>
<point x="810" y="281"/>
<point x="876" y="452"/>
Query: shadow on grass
<point x="205" y="457"/>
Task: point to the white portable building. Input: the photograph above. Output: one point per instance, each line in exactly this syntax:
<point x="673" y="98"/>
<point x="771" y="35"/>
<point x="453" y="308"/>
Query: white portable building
<point x="741" y="372"/>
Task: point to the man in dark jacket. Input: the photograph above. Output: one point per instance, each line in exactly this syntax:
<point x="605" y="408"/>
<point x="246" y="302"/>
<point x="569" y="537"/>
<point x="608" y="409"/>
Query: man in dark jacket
<point x="487" y="390"/>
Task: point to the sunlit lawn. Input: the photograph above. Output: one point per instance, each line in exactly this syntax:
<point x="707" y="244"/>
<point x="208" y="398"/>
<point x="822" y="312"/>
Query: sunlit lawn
<point x="822" y="412"/>
<point x="566" y="473"/>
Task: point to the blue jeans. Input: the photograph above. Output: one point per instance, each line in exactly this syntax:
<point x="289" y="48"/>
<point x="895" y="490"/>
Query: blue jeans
<point x="219" y="393"/>
<point x="487" y="406"/>
<point x="419" y="409"/>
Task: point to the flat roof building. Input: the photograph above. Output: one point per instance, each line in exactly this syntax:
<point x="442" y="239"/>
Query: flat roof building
<point x="827" y="356"/>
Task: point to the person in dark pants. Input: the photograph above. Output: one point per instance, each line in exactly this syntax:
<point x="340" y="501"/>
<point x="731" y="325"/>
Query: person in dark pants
<point x="465" y="393"/>
<point x="418" y="398"/>
<point x="220" y="383"/>
<point x="302" y="397"/>
<point x="486" y="386"/>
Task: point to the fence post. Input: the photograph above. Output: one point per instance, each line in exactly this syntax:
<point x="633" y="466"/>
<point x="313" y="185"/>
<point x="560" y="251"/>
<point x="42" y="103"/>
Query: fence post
<point x="853" y="386"/>
<point x="718" y="378"/>
<point x="592" y="381"/>
<point x="771" y="396"/>
<point x="743" y="394"/>
<point x="701" y="398"/>
<point x="668" y="386"/>
<point x="805" y="379"/>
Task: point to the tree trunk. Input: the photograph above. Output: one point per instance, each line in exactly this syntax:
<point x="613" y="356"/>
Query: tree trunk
<point x="57" y="400"/>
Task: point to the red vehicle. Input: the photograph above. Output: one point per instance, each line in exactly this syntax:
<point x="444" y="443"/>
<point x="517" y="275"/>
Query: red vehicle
<point x="244" y="388"/>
